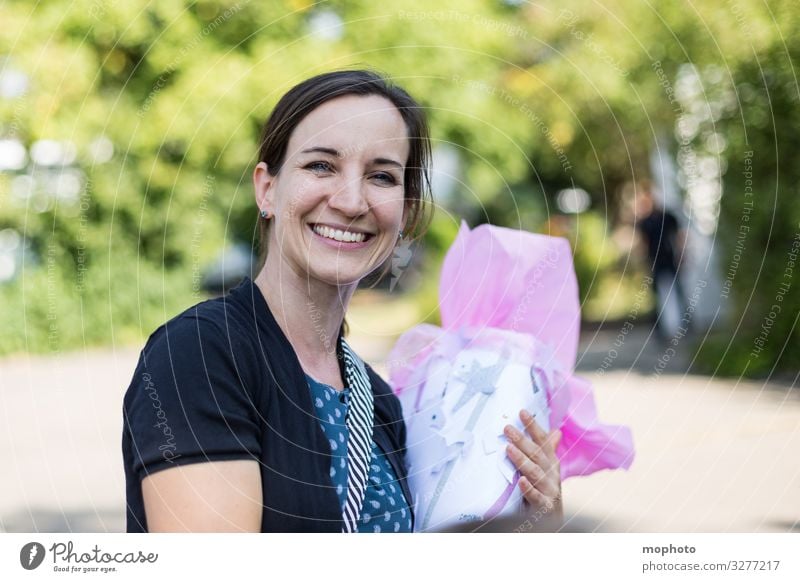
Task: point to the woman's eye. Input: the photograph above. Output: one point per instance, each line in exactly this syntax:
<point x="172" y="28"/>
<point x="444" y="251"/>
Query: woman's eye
<point x="319" y="166"/>
<point x="385" y="178"/>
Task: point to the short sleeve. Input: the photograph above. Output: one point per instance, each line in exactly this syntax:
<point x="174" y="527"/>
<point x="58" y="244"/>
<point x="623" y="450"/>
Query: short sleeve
<point x="191" y="398"/>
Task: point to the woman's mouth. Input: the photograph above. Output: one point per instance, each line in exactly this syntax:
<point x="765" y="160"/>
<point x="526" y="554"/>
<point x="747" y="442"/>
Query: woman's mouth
<point x="341" y="238"/>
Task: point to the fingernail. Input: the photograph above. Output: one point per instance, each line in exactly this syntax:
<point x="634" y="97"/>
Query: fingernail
<point x="525" y="415"/>
<point x="510" y="431"/>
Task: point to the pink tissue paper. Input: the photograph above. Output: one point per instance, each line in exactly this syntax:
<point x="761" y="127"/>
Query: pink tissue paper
<point x="509" y="338"/>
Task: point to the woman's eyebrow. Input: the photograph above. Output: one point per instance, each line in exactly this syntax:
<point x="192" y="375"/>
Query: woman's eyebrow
<point x="323" y="150"/>
<point x="387" y="161"/>
<point x="336" y="153"/>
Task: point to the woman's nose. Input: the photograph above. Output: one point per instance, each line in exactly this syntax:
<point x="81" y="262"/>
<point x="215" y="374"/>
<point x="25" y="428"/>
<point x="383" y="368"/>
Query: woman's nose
<point x="350" y="199"/>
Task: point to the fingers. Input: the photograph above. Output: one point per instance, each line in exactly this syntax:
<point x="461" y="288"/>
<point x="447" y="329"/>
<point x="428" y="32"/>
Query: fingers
<point x="529" y="468"/>
<point x="535" y="458"/>
<point x="555" y="438"/>
<point x="534" y="474"/>
<point x="532" y="495"/>
<point x="529" y="449"/>
<point x="548" y="442"/>
<point x="542" y="506"/>
<point x="533" y="428"/>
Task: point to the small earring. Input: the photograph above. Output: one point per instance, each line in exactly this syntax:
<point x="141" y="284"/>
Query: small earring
<point x="400" y="235"/>
<point x="264" y="214"/>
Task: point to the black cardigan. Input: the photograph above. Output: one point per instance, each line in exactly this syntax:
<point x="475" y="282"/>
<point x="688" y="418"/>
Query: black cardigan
<point x="221" y="381"/>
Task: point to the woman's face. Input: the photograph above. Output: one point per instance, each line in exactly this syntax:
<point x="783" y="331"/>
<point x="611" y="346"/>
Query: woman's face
<point x="338" y="201"/>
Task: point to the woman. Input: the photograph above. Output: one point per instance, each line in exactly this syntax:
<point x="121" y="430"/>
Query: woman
<point x="250" y="412"/>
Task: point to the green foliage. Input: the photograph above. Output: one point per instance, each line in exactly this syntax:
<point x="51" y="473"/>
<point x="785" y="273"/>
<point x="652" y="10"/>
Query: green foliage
<point x="594" y="251"/>
<point x="536" y="97"/>
<point x="120" y="301"/>
<point x="760" y="223"/>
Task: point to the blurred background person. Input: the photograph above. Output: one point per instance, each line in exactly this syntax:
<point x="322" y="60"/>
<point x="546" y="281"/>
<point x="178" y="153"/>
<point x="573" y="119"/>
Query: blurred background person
<point x="661" y="240"/>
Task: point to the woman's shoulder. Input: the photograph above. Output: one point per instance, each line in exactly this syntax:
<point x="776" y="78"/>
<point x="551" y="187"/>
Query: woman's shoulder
<point x="210" y="340"/>
<point x="207" y="341"/>
<point x="219" y="319"/>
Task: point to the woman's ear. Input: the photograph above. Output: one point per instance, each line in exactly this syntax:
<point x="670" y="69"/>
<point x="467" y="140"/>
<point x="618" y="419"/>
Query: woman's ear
<point x="262" y="184"/>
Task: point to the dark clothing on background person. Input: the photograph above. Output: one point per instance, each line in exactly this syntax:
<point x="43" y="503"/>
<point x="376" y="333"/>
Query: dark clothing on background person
<point x="219" y="382"/>
<point x="660" y="231"/>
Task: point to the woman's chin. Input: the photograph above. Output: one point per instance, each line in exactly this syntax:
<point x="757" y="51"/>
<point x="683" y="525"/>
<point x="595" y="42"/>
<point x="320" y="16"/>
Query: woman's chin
<point x="338" y="278"/>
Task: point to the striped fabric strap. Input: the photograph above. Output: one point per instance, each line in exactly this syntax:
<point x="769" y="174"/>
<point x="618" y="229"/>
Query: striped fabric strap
<point x="359" y="426"/>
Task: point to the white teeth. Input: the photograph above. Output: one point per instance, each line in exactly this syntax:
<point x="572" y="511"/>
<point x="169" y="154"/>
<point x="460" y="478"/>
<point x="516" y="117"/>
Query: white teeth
<point x="339" y="235"/>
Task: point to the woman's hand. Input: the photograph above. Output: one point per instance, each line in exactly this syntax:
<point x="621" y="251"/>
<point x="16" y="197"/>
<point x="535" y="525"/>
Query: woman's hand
<point x="535" y="457"/>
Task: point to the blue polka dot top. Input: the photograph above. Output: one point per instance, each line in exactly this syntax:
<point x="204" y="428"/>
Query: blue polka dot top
<point x="385" y="508"/>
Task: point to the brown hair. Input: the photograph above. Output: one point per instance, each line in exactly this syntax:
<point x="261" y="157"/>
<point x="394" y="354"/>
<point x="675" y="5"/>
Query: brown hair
<point x="302" y="99"/>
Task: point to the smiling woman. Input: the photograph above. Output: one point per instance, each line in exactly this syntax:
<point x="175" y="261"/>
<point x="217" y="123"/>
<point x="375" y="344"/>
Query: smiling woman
<point x="251" y="412"/>
<point x="263" y="423"/>
<point x="338" y="196"/>
<point x="374" y="148"/>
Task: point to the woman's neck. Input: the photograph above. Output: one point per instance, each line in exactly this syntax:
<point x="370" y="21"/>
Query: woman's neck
<point x="308" y="311"/>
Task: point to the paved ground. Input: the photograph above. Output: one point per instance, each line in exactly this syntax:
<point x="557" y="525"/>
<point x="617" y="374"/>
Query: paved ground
<point x="712" y="455"/>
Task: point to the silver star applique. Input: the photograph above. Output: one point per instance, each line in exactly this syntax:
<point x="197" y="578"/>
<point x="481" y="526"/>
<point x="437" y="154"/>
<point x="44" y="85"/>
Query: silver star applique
<point x="480" y="379"/>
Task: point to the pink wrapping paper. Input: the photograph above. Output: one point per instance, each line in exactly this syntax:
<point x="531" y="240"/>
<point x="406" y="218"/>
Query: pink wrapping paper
<point x="507" y="279"/>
